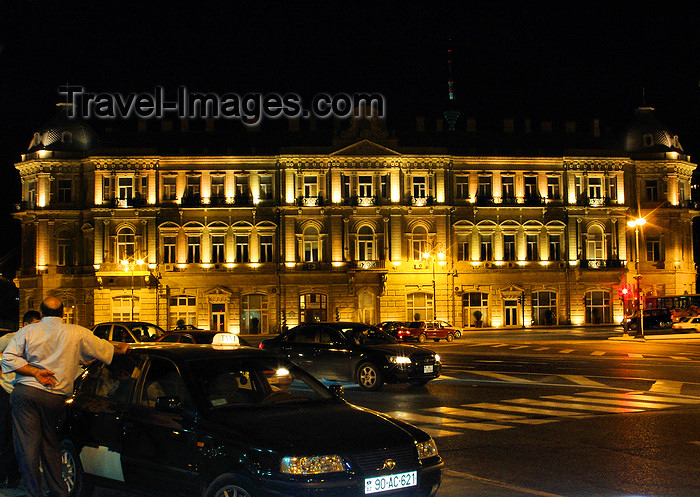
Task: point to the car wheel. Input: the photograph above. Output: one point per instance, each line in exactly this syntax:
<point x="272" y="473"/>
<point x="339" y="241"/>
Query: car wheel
<point x="72" y="472"/>
<point x="450" y="337"/>
<point x="369" y="377"/>
<point x="458" y="334"/>
<point x="227" y="487"/>
<point x="418" y="383"/>
<point x="422" y="338"/>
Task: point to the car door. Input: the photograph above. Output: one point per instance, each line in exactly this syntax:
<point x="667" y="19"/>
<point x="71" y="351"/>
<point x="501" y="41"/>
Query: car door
<point x="333" y="355"/>
<point x="159" y="450"/>
<point x="299" y="346"/>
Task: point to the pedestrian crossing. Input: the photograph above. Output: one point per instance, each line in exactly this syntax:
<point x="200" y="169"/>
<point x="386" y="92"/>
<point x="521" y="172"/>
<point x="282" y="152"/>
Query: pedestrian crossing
<point x="447" y="421"/>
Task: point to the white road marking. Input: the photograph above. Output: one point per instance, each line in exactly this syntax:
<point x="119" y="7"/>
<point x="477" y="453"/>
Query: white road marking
<point x="635" y="356"/>
<point x="566" y="351"/>
<point x="500" y="345"/>
<point x="542" y="348"/>
<point x="582" y="380"/>
<point x="616" y="402"/>
<point x="501" y="376"/>
<point x="519" y="347"/>
<point x="527" y="410"/>
<point x="667" y="386"/>
<point x="643" y="396"/>
<point x="680" y="358"/>
<point x="573" y="405"/>
<point x="598" y="352"/>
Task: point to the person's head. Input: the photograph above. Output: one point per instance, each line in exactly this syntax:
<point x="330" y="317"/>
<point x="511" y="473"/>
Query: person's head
<point x="52" y="306"/>
<point x="30" y="317"/>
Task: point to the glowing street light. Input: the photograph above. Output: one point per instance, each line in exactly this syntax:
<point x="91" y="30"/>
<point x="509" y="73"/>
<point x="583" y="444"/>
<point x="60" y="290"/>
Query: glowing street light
<point x="636" y="224"/>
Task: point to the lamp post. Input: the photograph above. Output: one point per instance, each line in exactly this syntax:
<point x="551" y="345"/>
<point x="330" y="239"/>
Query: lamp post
<point x="130" y="266"/>
<point x="435" y="253"/>
<point x="636" y="224"/>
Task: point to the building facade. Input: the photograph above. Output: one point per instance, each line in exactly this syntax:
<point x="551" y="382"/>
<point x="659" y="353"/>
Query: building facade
<point x="370" y="231"/>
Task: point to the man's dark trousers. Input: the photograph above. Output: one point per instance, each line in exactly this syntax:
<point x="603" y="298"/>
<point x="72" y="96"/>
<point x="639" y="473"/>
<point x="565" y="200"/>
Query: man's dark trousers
<point x="35" y="417"/>
<point x="8" y="462"/>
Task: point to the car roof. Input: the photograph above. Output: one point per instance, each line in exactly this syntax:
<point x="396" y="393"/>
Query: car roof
<point x="126" y="323"/>
<point x="186" y="351"/>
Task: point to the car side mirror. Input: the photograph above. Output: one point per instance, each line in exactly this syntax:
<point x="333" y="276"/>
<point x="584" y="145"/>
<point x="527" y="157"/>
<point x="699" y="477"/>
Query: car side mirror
<point x="338" y="391"/>
<point x="169" y="404"/>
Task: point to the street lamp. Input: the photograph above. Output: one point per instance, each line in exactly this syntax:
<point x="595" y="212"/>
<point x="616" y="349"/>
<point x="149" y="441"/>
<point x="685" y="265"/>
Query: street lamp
<point x="636" y="224"/>
<point x="434" y="253"/>
<point x="130" y="265"/>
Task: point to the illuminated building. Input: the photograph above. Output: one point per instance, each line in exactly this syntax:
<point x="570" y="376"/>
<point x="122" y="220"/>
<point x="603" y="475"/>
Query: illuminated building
<point x="251" y="242"/>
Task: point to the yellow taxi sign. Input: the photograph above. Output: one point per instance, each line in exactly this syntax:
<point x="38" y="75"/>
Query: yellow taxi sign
<point x="225" y="339"/>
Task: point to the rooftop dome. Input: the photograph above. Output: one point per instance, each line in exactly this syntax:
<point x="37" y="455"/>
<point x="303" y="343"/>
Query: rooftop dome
<point x="646" y="134"/>
<point x="63" y="133"/>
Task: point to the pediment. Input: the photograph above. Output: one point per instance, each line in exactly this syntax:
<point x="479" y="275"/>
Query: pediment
<point x="218" y="294"/>
<point x="365" y="148"/>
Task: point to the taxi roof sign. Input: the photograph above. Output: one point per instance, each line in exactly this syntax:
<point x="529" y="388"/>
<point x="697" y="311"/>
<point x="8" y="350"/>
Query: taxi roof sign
<point x="225" y="339"/>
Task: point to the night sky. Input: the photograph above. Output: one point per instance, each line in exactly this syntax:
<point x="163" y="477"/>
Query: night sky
<point x="511" y="59"/>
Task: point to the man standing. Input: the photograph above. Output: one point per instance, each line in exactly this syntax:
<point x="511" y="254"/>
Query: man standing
<point x="46" y="358"/>
<point x="9" y="471"/>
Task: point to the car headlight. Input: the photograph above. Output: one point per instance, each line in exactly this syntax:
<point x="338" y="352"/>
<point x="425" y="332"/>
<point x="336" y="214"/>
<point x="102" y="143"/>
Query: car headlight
<point x="397" y="359"/>
<point x="314" y="465"/>
<point x="427" y="449"/>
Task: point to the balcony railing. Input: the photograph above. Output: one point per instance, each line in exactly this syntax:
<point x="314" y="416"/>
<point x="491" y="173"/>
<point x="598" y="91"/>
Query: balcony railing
<point x="421" y="201"/>
<point x="368" y="264"/>
<point x="310" y="201"/>
<point x="601" y="263"/>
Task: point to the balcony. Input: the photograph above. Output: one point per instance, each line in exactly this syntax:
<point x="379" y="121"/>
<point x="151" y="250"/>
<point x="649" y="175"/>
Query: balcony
<point x="483" y="200"/>
<point x="310" y="201"/>
<point x="601" y="264"/>
<point x="366" y="201"/>
<point x="368" y="265"/>
<point x="421" y="201"/>
<point x="191" y="201"/>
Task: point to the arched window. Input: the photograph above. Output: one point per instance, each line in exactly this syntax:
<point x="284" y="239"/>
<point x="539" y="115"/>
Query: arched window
<point x="544" y="308"/>
<point x="419" y="243"/>
<point x="126" y="244"/>
<point x="595" y="244"/>
<point x="419" y="306"/>
<point x="311" y="252"/>
<point x="365" y="244"/>
<point x="598" y="309"/>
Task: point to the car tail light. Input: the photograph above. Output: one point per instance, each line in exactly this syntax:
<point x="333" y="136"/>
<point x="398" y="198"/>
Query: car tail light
<point x="261" y="346"/>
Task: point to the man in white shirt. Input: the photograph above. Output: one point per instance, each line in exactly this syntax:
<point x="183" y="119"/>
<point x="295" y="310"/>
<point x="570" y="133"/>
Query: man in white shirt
<point x="46" y="358"/>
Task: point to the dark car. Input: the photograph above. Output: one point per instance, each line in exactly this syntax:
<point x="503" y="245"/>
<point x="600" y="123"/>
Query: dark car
<point x="396" y="329"/>
<point x="196" y="420"/>
<point x="434" y="330"/>
<point x="128" y="331"/>
<point x="194" y="336"/>
<point x="355" y="352"/>
<point x="653" y="319"/>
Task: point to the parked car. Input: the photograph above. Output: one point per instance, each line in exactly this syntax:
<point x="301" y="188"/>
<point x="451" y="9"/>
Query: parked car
<point x="194" y="336"/>
<point x="424" y="330"/>
<point x="653" y="318"/>
<point x="396" y="329"/>
<point x="456" y="331"/>
<point x="210" y="421"/>
<point x="355" y="352"/>
<point x="686" y="324"/>
<point x="128" y="331"/>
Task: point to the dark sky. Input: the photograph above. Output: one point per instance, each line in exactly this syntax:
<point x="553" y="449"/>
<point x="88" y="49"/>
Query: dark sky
<point x="512" y="59"/>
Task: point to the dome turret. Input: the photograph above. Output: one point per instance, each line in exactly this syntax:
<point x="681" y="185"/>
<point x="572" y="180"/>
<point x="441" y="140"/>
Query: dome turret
<point x="647" y="134"/>
<point x="64" y="133"/>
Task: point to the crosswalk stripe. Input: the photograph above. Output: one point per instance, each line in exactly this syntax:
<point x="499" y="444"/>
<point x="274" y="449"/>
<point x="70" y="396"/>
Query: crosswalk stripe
<point x="573" y="405"/>
<point x="457" y="411"/>
<point x="500" y="345"/>
<point x="481" y="344"/>
<point x="646" y="397"/>
<point x="519" y="347"/>
<point x="618" y="402"/>
<point x="435" y="433"/>
<point x="528" y="410"/>
<point x="598" y="352"/>
<point x="501" y="376"/>
<point x="635" y="356"/>
<point x="542" y="348"/>
<point x="566" y="351"/>
<point x="446" y="422"/>
<point x="680" y="358"/>
<point x="667" y="386"/>
<point x="582" y="380"/>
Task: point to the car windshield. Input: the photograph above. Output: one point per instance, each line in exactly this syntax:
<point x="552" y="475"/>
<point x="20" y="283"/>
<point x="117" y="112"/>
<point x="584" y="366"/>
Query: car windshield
<point x="227" y="383"/>
<point x="367" y="335"/>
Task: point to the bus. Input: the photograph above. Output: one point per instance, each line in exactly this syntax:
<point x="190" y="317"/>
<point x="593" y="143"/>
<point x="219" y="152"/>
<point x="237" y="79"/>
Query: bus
<point x="677" y="305"/>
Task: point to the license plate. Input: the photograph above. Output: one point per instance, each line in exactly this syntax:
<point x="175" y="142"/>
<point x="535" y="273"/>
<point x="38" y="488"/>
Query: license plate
<point x="390" y="482"/>
<point x="428" y="369"/>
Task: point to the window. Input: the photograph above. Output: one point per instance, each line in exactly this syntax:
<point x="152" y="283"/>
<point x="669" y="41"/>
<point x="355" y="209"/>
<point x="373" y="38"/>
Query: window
<point x="310" y="245"/>
<point x="475" y="303"/>
<point x="193" y="243"/>
<point x="169" y="188"/>
<point x="218" y="243"/>
<point x="242" y="187"/>
<point x="553" y="188"/>
<point x="64" y="252"/>
<point x="532" y="253"/>
<point x="544" y="308"/>
<point x="218" y="317"/>
<point x="653" y="250"/>
<point x="144" y="186"/>
<point x="169" y="249"/>
<point x="652" y="190"/>
<point x="242" y="248"/>
<point x="126" y="244"/>
<point x="577" y="186"/>
<point x="364" y="186"/>
<point x="311" y="186"/>
<point x="183" y="307"/>
<point x="419" y="243"/>
<point x="420" y="188"/>
<point x="509" y="253"/>
<point x="507" y="187"/>
<point x="595" y="187"/>
<point x="193" y="186"/>
<point x="531" y="190"/>
<point x="266" y="245"/>
<point x="265" y="181"/>
<point x="419" y="306"/>
<point x="612" y="188"/>
<point x="254" y="314"/>
<point x="217" y="186"/>
<point x="484" y="190"/>
<point x="462" y="187"/>
<point x="31" y="193"/>
<point x="384" y="185"/>
<point x="313" y="307"/>
<point x="594" y="243"/>
<point x="681" y="192"/>
<point x="598" y="307"/>
<point x="345" y="186"/>
<point x="64" y="190"/>
<point x="124" y="308"/>
<point x="463" y="248"/>
<point x="554" y="247"/>
<point x="365" y="244"/>
<point x="125" y="188"/>
<point x="163" y="380"/>
<point x="486" y="247"/>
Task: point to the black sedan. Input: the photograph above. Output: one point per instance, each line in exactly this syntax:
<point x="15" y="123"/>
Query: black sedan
<point x="355" y="352"/>
<point x="197" y="420"/>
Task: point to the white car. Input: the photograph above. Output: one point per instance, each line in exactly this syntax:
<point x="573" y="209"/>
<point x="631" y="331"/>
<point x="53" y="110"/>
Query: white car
<point x="687" y="323"/>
